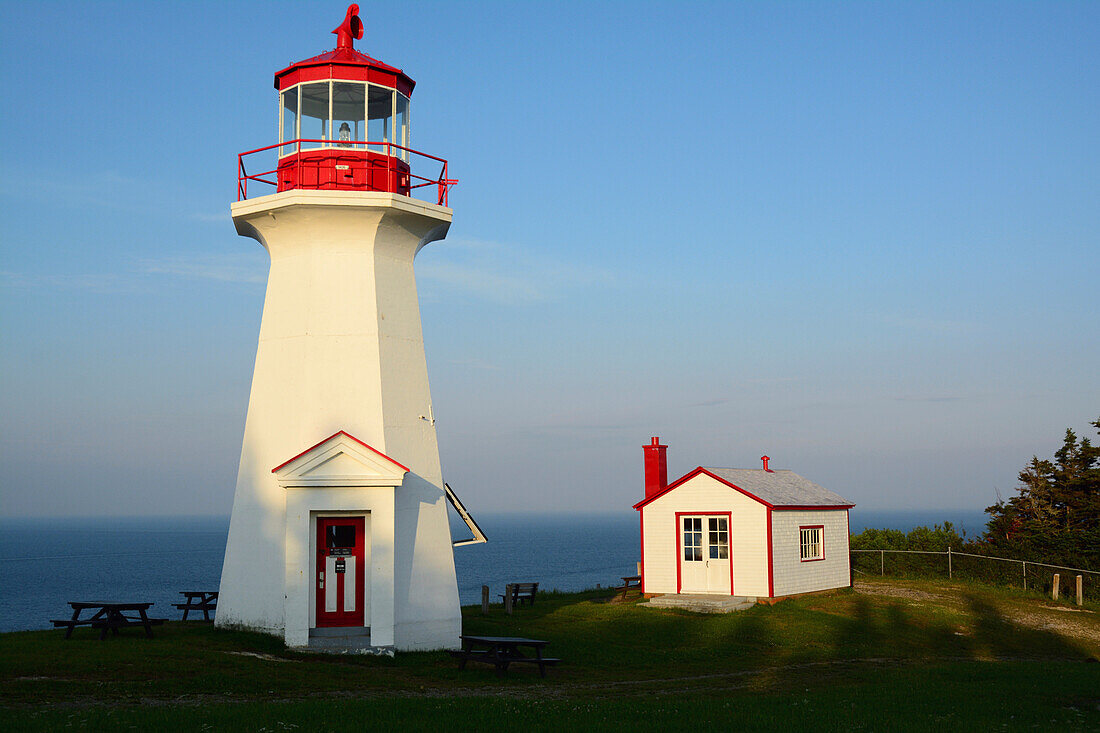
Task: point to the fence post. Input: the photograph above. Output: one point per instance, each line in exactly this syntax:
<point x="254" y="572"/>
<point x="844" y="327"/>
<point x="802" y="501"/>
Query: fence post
<point x="882" y="562"/>
<point x="1025" y="575"/>
<point x="1054" y="592"/>
<point x="508" y="599"/>
<point x="950" y="574"/>
<point x="484" y="600"/>
<point x="1080" y="590"/>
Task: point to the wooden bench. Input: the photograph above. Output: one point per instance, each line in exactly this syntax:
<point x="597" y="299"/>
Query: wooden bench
<point x="198" y="600"/>
<point x="522" y="592"/>
<point x="109" y="616"/>
<point x="503" y="651"/>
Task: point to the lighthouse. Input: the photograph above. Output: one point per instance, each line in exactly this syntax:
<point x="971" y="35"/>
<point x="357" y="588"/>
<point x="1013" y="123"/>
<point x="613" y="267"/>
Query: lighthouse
<point x="339" y="536"/>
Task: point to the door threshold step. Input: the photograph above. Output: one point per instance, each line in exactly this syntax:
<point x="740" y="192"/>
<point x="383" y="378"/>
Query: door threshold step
<point x="352" y="640"/>
<point x="701" y="603"/>
<point x="329" y="631"/>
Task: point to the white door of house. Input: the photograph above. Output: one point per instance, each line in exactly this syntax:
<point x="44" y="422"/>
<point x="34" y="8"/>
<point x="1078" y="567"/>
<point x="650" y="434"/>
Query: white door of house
<point x="705" y="554"/>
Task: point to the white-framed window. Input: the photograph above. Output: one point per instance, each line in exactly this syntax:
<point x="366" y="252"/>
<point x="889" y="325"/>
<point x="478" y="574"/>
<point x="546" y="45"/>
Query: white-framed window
<point x="718" y="538"/>
<point x="693" y="538"/>
<point x="811" y="543"/>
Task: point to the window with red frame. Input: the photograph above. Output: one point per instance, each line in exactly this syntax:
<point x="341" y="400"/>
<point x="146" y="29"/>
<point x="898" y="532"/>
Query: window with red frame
<point x="812" y="543"/>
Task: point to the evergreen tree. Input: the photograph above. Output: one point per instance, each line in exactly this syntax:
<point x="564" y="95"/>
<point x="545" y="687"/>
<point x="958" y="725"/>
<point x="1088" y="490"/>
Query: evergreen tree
<point x="1056" y="513"/>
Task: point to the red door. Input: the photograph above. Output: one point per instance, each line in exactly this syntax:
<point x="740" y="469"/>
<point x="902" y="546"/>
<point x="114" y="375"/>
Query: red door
<point x="340" y="574"/>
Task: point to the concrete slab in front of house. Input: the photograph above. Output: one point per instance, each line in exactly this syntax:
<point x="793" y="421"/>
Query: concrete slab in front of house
<point x="700" y="603"/>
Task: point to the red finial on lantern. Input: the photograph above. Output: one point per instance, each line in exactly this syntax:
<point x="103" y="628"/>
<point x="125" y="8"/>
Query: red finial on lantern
<point x="350" y="30"/>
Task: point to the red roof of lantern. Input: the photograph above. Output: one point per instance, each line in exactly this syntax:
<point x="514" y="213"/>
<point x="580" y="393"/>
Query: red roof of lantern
<point x="344" y="62"/>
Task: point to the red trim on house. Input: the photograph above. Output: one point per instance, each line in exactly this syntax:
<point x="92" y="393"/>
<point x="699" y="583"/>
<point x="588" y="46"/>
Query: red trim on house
<point x="771" y="572"/>
<point x="679" y="552"/>
<point x="680" y="542"/>
<point x="344" y="433"/>
<point x="811" y="507"/>
<point x="812" y="526"/>
<point x="729" y="546"/>
<point x="692" y="474"/>
<point x="641" y="538"/>
<point x="848" y="540"/>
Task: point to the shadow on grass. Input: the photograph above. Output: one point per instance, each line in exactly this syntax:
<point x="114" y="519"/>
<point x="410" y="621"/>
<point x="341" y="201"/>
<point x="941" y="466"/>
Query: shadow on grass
<point x="824" y="636"/>
<point x="995" y="635"/>
<point x="806" y="642"/>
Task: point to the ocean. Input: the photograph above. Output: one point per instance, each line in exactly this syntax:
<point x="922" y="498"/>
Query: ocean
<point x="44" y="563"/>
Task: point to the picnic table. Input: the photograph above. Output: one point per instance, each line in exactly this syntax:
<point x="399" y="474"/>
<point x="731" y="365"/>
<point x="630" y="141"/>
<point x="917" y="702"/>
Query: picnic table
<point x="502" y="651"/>
<point x="109" y="616"/>
<point x="198" y="600"/>
<point x="630" y="582"/>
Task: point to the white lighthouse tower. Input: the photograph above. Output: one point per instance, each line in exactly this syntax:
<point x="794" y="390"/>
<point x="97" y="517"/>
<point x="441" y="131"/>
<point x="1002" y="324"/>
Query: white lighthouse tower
<point x="339" y="534"/>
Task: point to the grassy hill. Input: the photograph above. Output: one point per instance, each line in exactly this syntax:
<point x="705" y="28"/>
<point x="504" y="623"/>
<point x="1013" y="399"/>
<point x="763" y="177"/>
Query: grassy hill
<point x="888" y="655"/>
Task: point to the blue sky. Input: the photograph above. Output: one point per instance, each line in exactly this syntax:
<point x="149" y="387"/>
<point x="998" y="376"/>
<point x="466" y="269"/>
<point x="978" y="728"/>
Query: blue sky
<point x="859" y="237"/>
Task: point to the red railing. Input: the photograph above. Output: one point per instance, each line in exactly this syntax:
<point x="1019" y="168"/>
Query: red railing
<point x="398" y="173"/>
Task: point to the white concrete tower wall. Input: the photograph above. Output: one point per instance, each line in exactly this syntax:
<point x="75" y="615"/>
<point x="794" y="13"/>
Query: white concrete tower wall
<point x="341" y="348"/>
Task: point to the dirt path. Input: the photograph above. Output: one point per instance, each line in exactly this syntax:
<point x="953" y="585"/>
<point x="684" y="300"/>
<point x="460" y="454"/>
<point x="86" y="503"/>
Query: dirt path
<point x="898" y="591"/>
<point x="1080" y="626"/>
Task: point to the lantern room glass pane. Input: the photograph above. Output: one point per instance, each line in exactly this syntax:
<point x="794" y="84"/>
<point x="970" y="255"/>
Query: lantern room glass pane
<point x="315" y="122"/>
<point x="402" y="129"/>
<point x="290" y="119"/>
<point x="348" y="108"/>
<point x="380" y="117"/>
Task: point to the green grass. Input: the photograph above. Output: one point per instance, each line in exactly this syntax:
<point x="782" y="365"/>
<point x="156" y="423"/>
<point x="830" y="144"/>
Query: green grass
<point x="845" y="660"/>
<point x="967" y="696"/>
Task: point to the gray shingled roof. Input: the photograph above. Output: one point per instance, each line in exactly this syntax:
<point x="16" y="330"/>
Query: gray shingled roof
<point x="779" y="488"/>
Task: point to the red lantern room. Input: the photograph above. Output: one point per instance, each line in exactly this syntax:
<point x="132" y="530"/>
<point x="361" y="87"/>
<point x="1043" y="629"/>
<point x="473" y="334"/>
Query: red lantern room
<point x="344" y="126"/>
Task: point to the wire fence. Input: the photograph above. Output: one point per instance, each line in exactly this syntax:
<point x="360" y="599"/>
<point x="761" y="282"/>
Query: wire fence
<point x="1026" y="574"/>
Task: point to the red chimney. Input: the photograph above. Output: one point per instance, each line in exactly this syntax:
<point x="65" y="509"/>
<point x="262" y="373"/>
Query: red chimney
<point x="656" y="470"/>
<point x="765" y="459"/>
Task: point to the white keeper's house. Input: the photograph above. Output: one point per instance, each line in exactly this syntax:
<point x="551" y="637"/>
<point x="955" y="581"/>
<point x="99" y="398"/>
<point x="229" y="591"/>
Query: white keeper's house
<point x="740" y="531"/>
